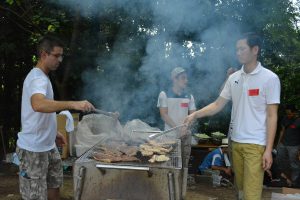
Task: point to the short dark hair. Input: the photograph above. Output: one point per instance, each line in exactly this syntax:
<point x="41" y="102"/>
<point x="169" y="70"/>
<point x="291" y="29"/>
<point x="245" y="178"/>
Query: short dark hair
<point x="253" y="40"/>
<point x="47" y="43"/>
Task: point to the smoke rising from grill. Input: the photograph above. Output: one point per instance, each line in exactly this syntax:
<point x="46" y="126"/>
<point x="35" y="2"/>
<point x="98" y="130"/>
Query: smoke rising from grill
<point x="206" y="52"/>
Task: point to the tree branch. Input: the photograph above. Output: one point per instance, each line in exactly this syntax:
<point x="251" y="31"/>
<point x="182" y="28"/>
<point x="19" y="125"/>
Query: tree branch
<point x="21" y="17"/>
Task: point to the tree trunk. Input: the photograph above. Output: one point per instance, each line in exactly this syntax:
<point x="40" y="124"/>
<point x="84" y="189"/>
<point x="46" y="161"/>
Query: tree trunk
<point x="61" y="86"/>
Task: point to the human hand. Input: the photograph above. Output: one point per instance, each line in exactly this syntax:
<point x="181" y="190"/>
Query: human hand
<point x="84" y="106"/>
<point x="60" y="140"/>
<point x="228" y="171"/>
<point x="190" y="119"/>
<point x="267" y="160"/>
<point x="184" y="130"/>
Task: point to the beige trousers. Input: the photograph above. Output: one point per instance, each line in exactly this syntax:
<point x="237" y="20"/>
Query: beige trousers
<point x="247" y="166"/>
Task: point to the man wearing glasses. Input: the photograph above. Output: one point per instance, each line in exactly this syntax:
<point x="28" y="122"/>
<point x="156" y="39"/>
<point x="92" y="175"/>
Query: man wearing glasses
<point x="41" y="172"/>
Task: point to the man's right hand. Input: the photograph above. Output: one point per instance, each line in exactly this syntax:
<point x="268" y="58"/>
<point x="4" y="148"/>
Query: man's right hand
<point x="190" y="119"/>
<point x="227" y="170"/>
<point x="84" y="106"/>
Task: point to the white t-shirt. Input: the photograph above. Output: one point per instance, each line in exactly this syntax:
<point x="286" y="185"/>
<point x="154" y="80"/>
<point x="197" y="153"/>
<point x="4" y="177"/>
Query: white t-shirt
<point x="39" y="130"/>
<point x="178" y="106"/>
<point x="250" y="95"/>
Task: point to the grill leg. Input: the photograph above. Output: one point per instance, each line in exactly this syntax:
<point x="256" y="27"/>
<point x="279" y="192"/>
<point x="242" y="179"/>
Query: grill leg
<point x="79" y="185"/>
<point x="171" y="186"/>
<point x="184" y="181"/>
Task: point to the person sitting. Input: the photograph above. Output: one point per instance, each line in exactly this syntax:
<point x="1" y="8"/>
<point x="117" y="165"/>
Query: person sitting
<point x="214" y="162"/>
<point x="289" y="144"/>
<point x="274" y="177"/>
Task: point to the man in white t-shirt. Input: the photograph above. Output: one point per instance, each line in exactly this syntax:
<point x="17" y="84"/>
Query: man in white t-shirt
<point x="41" y="172"/>
<point x="255" y="94"/>
<point x="174" y="105"/>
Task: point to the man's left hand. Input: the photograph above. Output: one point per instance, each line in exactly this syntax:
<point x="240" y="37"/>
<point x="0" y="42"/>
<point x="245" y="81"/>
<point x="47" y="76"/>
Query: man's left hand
<point x="60" y="139"/>
<point x="267" y="160"/>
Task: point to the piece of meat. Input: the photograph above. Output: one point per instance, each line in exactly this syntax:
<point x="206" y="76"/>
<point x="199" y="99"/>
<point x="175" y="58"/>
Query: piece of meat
<point x="107" y="158"/>
<point x="154" y="149"/>
<point x="126" y="158"/>
<point x="147" y="153"/>
<point x="152" y="159"/>
<point x="158" y="158"/>
<point x="129" y="150"/>
<point x="162" y="158"/>
<point x="111" y="151"/>
<point x="110" y="158"/>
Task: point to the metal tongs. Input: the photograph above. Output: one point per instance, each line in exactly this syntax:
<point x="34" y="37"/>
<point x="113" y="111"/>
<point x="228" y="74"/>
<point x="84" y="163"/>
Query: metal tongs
<point x="155" y="135"/>
<point x="114" y="115"/>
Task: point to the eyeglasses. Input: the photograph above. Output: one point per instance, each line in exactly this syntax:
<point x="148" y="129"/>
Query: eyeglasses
<point x="58" y="56"/>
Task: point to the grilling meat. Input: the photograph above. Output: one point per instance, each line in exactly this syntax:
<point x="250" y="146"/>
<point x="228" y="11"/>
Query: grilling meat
<point x="129" y="150"/>
<point x="155" y="149"/>
<point x="109" y="158"/>
<point x="159" y="158"/>
<point x="121" y="152"/>
<point x="146" y="153"/>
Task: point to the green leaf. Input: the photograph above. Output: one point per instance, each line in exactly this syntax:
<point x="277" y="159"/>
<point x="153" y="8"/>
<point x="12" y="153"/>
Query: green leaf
<point x="10" y="2"/>
<point x="51" y="28"/>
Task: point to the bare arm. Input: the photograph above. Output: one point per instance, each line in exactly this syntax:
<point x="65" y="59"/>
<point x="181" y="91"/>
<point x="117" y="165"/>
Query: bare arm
<point x="227" y="170"/>
<point x="39" y="103"/>
<point x="191" y="111"/>
<point x="271" y="131"/>
<point x="164" y="115"/>
<point x="208" y="110"/>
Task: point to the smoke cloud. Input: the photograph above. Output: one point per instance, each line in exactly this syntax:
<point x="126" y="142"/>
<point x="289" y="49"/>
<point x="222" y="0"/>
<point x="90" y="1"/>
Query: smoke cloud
<point x="206" y="53"/>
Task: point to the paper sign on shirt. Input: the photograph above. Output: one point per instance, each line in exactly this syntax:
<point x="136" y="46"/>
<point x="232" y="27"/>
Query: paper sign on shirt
<point x="253" y="92"/>
<point x="184" y="105"/>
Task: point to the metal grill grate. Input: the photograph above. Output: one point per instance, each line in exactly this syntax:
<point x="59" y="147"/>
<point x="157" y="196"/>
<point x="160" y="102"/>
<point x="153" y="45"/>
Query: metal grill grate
<point x="175" y="161"/>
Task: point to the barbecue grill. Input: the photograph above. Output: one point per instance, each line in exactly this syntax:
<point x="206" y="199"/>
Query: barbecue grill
<point x="94" y="180"/>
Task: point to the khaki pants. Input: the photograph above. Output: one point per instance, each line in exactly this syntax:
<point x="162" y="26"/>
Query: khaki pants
<point x="247" y="166"/>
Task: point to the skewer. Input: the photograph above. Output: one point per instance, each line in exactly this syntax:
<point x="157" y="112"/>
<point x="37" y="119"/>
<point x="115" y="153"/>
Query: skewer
<point x="140" y="131"/>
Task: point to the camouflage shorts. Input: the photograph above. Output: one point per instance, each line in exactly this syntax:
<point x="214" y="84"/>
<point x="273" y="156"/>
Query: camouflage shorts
<point x="39" y="171"/>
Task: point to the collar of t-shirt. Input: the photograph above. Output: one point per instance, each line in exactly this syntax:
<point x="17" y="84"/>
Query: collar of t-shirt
<point x="255" y="71"/>
<point x="172" y="94"/>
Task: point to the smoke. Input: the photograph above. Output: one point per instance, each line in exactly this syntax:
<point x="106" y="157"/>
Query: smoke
<point x="130" y="84"/>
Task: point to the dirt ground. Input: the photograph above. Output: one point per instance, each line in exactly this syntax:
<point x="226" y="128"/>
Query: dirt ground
<point x="199" y="190"/>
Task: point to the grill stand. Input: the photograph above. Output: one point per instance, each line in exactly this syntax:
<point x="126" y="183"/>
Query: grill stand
<point x="128" y="181"/>
<point x="79" y="185"/>
<point x="171" y="186"/>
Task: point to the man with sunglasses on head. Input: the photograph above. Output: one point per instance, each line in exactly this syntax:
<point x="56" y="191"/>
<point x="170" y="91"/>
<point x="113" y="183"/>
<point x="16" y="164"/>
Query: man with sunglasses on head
<point x="41" y="172"/>
<point x="255" y="95"/>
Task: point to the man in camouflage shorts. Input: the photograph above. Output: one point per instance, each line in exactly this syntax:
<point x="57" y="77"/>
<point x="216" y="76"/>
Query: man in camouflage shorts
<point x="41" y="168"/>
<point x="38" y="172"/>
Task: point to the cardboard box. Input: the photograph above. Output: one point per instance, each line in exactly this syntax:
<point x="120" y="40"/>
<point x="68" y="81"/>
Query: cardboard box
<point x="61" y="124"/>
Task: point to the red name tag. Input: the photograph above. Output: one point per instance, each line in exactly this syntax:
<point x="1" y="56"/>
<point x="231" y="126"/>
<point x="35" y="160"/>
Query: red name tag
<point x="253" y="92"/>
<point x="184" y="105"/>
<point x="293" y="126"/>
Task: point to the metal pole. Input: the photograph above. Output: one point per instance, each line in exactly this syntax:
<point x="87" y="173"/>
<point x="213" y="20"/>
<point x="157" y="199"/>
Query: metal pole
<point x="171" y="186"/>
